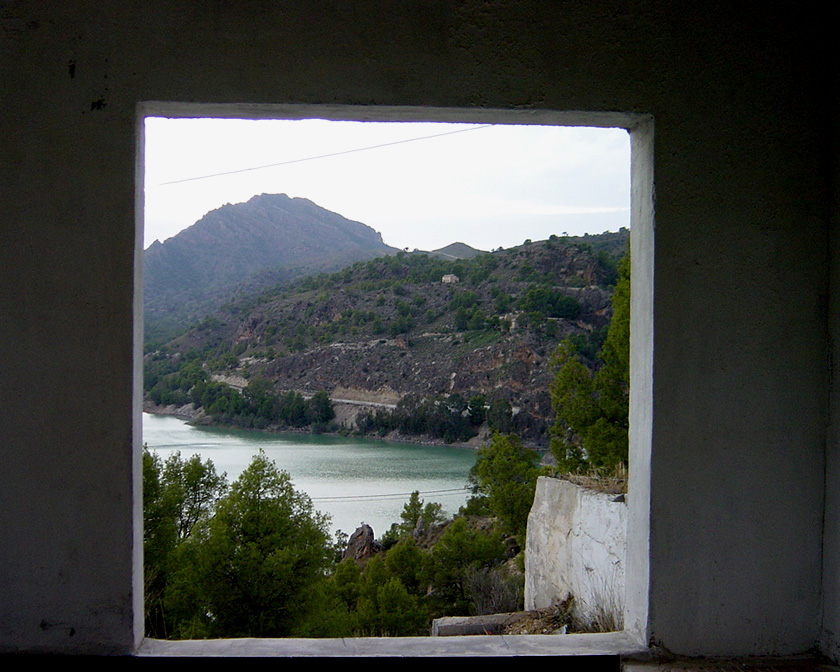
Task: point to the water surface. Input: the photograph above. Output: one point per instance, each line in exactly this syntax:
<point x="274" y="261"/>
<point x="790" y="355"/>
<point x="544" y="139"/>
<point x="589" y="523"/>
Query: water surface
<point x="355" y="480"/>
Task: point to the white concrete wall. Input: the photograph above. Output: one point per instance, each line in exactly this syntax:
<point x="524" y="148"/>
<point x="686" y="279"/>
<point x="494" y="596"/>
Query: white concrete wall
<point x="730" y="398"/>
<point x="576" y="545"/>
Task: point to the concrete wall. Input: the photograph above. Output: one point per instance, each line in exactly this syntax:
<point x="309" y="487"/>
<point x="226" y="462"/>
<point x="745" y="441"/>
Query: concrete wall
<point x="576" y="545"/>
<point x="830" y="636"/>
<point x="730" y="390"/>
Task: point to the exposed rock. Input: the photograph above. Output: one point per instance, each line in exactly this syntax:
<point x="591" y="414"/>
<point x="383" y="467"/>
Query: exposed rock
<point x="419" y="528"/>
<point x="234" y="380"/>
<point x="186" y="412"/>
<point x="383" y="396"/>
<point x="362" y="545"/>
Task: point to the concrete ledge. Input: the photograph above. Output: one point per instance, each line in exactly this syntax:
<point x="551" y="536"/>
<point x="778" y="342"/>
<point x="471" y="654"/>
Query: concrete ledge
<point x="490" y="624"/>
<point x="604" y="644"/>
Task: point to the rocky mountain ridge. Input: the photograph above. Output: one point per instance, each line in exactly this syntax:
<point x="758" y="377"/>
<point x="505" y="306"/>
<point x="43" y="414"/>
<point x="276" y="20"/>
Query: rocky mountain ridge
<point x="244" y="247"/>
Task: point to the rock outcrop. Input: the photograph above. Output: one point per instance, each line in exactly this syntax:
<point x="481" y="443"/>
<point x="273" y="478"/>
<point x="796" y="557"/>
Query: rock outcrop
<point x="362" y="545"/>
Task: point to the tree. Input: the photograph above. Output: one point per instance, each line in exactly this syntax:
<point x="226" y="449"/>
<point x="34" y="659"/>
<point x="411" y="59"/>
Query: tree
<point x="461" y="550"/>
<point x="190" y="490"/>
<point x="505" y="474"/>
<point x="159" y="539"/>
<point x="251" y="569"/>
<point x="376" y="601"/>
<point x="178" y="495"/>
<point x="574" y="404"/>
<point x="477" y="412"/>
<point x="385" y="606"/>
<point x="477" y="320"/>
<point x="293" y="409"/>
<point x="320" y="409"/>
<point x="500" y="416"/>
<point x="462" y="319"/>
<point x="398" y="612"/>
<point x="592" y="409"/>
<point x="414" y="510"/>
<point x="407" y="562"/>
<point x="262" y="400"/>
<point x="549" y="302"/>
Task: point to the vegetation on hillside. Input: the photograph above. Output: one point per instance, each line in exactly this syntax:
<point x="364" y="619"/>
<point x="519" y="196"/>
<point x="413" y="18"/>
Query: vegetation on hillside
<point x="591" y="399"/>
<point x="534" y="284"/>
<point x="268" y="239"/>
<point x="391" y="323"/>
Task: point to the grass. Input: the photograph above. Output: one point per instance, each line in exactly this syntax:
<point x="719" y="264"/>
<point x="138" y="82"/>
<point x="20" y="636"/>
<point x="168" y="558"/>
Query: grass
<point x="613" y="483"/>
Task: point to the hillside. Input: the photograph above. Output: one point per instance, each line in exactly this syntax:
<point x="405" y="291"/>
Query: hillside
<point x="244" y="247"/>
<point x="389" y="331"/>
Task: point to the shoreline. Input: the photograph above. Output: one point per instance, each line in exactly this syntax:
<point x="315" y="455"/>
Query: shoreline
<point x="197" y="417"/>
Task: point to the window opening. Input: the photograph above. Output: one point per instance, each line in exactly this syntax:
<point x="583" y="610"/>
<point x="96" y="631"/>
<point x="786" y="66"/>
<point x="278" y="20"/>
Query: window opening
<point x="530" y="209"/>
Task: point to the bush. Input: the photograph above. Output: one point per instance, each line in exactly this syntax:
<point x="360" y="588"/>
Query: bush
<point x="494" y="590"/>
<point x="506" y="474"/>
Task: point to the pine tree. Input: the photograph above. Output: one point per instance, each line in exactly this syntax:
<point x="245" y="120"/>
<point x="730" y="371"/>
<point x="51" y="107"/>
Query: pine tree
<point x="250" y="571"/>
<point x="592" y="410"/>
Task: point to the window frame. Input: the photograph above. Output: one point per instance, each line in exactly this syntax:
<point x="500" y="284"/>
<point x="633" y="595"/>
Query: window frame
<point x="634" y="638"/>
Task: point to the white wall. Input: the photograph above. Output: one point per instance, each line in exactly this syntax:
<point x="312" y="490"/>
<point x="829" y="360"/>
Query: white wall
<point x="576" y="545"/>
<point x="727" y="474"/>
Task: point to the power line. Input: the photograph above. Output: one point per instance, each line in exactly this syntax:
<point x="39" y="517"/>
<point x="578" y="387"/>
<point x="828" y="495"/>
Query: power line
<point x="325" y="156"/>
<point x="393" y="495"/>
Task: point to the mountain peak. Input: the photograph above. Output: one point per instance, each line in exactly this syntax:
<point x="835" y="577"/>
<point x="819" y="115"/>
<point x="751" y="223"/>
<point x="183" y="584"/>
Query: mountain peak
<point x="239" y="241"/>
<point x="457" y="251"/>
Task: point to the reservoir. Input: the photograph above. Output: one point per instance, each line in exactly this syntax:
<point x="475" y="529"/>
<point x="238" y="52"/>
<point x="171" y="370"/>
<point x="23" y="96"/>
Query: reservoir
<point x="354" y="480"/>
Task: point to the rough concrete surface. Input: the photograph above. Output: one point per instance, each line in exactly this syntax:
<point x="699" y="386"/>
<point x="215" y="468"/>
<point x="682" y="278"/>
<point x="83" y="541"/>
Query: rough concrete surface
<point x="734" y="486"/>
<point x="576" y="545"/>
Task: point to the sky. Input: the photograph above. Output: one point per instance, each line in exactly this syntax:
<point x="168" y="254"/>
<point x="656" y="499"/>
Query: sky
<point x="421" y="185"/>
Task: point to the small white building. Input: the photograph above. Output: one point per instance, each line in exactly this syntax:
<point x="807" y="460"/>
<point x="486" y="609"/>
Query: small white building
<point x="449" y="279"/>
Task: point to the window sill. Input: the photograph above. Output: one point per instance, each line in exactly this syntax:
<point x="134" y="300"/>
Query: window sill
<point x="601" y="644"/>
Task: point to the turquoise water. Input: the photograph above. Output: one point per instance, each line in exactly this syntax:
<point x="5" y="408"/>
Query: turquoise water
<point x="355" y="480"/>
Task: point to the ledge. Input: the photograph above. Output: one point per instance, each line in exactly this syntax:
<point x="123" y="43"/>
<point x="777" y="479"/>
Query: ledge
<point x="605" y="644"/>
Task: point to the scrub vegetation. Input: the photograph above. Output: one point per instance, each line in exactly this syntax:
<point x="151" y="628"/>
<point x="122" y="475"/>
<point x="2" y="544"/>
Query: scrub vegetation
<point x="457" y="359"/>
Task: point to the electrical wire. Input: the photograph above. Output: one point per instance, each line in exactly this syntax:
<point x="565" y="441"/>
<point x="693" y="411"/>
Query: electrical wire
<point x="325" y="156"/>
<point x="394" y="495"/>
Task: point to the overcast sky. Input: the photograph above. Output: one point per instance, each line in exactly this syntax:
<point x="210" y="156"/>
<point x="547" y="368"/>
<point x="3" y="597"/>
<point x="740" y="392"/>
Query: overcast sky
<point x="484" y="186"/>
